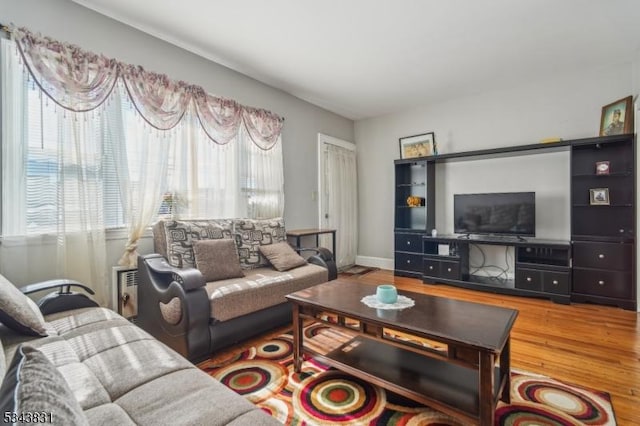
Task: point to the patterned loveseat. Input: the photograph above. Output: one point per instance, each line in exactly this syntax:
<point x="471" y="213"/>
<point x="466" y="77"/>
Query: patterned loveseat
<point x="209" y="284"/>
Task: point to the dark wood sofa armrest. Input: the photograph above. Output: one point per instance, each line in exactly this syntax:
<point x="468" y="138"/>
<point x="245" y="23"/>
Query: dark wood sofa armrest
<point x="188" y="278"/>
<point x="159" y="282"/>
<point x="62" y="300"/>
<point x="323" y="257"/>
<point x="64" y="285"/>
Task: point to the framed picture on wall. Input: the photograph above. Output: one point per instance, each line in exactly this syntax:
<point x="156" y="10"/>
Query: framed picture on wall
<point x="617" y="117"/>
<point x="417" y="146"/>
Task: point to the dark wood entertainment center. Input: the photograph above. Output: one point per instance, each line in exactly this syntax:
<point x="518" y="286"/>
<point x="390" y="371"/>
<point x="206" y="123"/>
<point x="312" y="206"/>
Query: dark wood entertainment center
<point x="597" y="265"/>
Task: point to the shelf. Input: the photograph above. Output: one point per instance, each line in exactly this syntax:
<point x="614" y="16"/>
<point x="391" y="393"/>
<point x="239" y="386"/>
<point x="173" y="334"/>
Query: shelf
<point x="602" y="239"/>
<point x="491" y="281"/>
<point x="593" y="175"/>
<point x="435" y="256"/>
<point x="410" y="207"/>
<point x="405" y="372"/>
<point x="602" y="205"/>
<point x="400" y="185"/>
<point x="561" y="266"/>
<point x="525" y="149"/>
<point x="411" y="230"/>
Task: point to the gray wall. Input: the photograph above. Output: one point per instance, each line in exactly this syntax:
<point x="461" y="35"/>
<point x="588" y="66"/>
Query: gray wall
<point x="566" y="106"/>
<point x="70" y="22"/>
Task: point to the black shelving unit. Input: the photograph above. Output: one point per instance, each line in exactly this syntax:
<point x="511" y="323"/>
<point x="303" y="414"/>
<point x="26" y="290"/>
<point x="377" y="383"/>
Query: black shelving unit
<point x="413" y="178"/>
<point x="603" y="235"/>
<point x="602" y="268"/>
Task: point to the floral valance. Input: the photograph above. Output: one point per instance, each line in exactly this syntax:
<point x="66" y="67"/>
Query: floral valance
<point x="81" y="81"/>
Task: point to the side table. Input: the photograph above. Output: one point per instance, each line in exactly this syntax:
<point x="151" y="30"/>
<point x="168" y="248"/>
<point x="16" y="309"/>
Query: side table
<point x="299" y="233"/>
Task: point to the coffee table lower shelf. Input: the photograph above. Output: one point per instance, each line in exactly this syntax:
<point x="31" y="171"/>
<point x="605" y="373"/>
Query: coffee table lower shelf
<point x="444" y="386"/>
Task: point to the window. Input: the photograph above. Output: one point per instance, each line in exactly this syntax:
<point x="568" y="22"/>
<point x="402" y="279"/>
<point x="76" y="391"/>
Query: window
<point x="107" y="168"/>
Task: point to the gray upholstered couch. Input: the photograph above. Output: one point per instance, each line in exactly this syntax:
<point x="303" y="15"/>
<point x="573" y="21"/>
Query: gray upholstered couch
<point x="196" y="316"/>
<point x="115" y="373"/>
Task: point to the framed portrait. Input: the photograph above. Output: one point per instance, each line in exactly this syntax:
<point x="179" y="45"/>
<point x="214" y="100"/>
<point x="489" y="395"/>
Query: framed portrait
<point x="602" y="168"/>
<point x="417" y="146"/>
<point x="617" y="117"/>
<point x="599" y="196"/>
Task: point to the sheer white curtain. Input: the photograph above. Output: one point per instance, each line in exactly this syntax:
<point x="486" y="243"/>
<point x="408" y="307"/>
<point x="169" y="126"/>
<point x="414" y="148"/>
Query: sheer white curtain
<point x="342" y="203"/>
<point x="235" y="179"/>
<point x="142" y="162"/>
<point x="264" y="185"/>
<point x="56" y="159"/>
<point x="203" y="175"/>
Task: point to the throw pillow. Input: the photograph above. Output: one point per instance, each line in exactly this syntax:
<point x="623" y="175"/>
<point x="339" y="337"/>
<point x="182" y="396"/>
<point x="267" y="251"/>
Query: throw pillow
<point x="282" y="256"/>
<point x="217" y="259"/>
<point x="34" y="391"/>
<point x="250" y="234"/>
<point x="18" y="312"/>
<point x="181" y="235"/>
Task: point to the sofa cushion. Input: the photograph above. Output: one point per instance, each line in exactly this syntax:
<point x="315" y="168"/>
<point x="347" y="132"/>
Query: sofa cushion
<point x="282" y="256"/>
<point x="3" y="362"/>
<point x="34" y="388"/>
<point x="259" y="289"/>
<point x="181" y="235"/>
<point x="250" y="234"/>
<point x="217" y="259"/>
<point x="18" y="312"/>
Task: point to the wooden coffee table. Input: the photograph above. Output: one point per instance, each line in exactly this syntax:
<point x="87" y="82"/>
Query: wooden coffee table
<point x="457" y="374"/>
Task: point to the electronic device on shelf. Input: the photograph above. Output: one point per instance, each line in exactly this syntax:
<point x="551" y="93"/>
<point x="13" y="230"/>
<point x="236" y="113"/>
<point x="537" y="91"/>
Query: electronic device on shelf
<point x="499" y="213"/>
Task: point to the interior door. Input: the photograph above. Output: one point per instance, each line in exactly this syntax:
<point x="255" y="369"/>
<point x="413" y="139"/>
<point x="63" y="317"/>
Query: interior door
<point x="338" y="196"/>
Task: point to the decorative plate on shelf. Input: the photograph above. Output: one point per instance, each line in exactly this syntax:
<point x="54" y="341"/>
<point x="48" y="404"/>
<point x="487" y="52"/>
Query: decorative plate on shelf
<point x="602" y="168"/>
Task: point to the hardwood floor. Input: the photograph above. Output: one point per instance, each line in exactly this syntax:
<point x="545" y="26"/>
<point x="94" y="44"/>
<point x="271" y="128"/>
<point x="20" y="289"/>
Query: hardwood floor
<point x="589" y="345"/>
<point x="592" y="346"/>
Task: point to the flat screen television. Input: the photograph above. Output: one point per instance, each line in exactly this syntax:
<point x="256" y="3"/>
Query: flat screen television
<point x="500" y="213"/>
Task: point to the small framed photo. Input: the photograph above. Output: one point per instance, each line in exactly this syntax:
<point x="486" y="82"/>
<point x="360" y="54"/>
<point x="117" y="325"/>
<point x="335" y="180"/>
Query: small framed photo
<point x="602" y="168"/>
<point x="617" y="117"/>
<point x="599" y="196"/>
<point x="417" y="146"/>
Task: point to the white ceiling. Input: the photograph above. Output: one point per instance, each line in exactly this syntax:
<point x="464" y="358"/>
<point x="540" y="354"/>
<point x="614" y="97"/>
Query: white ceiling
<point x="365" y="58"/>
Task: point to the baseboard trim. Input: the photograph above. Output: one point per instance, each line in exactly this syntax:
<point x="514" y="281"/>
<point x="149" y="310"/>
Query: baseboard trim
<point x="377" y="262"/>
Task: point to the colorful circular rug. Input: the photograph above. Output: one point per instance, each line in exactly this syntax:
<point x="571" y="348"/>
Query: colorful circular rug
<point x="320" y="395"/>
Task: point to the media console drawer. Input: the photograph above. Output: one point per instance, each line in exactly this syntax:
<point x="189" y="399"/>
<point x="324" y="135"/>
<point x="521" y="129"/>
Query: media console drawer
<point x="529" y="279"/>
<point x="555" y="282"/>
<point x="449" y="269"/>
<point x="409" y="242"/>
<point x="540" y="280"/>
<point x="409" y="262"/>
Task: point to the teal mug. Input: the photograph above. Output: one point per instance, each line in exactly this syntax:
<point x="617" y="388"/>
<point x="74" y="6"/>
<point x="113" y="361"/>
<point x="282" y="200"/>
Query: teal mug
<point x="387" y="293"/>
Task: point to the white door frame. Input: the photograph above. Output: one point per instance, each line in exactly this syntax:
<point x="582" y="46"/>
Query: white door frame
<point x="322" y="139"/>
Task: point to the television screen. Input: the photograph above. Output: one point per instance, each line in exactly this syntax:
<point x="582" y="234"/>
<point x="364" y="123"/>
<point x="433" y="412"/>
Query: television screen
<point x="504" y="213"/>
